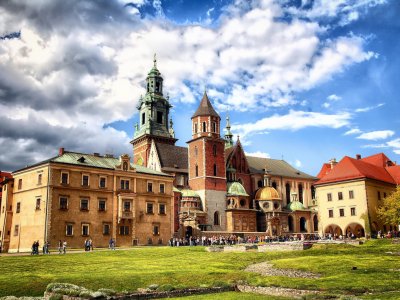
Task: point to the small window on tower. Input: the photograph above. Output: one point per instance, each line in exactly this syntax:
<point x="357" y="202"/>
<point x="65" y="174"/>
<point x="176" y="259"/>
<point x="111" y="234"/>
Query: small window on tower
<point x="143" y="118"/>
<point x="214" y="127"/>
<point x="159" y="117"/>
<point x="197" y="171"/>
<point x="215" y="170"/>
<point x="195" y="127"/>
<point x="204" y="127"/>
<point x="215" y="150"/>
<point x="157" y="87"/>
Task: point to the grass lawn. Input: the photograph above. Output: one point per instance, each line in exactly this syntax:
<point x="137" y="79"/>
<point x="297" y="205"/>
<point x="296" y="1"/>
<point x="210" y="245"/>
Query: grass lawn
<point x="377" y="272"/>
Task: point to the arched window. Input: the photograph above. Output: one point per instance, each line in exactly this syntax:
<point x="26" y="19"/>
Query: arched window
<point x="143" y="118"/>
<point x="195" y="151"/>
<point x="303" y="224"/>
<point x="290" y="223"/>
<point x="197" y="170"/>
<point x="300" y="192"/>
<point x="315" y="221"/>
<point x="215" y="150"/>
<point x="312" y="192"/>
<point x="215" y="170"/>
<point x="195" y="127"/>
<point x="259" y="183"/>
<point x="125" y="166"/>
<point x="216" y="218"/>
<point x="274" y="184"/>
<point x="287" y="186"/>
<point x="204" y="127"/>
<point x="214" y="127"/>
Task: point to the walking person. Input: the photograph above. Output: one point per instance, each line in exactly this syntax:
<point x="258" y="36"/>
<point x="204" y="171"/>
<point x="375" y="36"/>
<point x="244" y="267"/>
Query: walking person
<point x="60" y="246"/>
<point x="64" y="247"/>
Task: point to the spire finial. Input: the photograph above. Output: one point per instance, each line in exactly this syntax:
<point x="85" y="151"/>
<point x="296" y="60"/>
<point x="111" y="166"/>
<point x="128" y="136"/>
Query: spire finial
<point x="155" y="60"/>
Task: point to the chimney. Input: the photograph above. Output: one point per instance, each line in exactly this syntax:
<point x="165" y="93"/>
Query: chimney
<point x="333" y="162"/>
<point x="60" y="151"/>
<point x="358" y="156"/>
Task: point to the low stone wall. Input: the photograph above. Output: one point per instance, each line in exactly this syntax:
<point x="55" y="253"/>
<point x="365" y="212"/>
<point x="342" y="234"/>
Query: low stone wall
<point x="278" y="246"/>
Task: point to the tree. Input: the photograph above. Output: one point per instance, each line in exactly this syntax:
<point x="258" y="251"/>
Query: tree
<point x="389" y="211"/>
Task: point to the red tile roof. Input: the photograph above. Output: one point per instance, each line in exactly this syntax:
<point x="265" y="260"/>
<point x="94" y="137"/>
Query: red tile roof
<point x="379" y="159"/>
<point x="326" y="168"/>
<point x="349" y="168"/>
<point x="394" y="171"/>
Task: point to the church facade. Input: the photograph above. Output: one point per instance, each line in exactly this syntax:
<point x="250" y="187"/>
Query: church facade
<point x="217" y="187"/>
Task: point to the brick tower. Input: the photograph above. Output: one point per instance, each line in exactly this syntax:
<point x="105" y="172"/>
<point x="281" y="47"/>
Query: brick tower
<point x="153" y="118"/>
<point x="207" y="174"/>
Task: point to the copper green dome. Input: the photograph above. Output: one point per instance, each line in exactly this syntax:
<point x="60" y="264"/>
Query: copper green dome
<point x="236" y="189"/>
<point x="295" y="205"/>
<point x="267" y="193"/>
<point x="189" y="194"/>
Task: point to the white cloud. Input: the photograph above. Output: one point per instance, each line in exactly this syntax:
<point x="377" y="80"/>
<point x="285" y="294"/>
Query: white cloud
<point x="353" y="131"/>
<point x="365" y="109"/>
<point x="376" y="135"/>
<point x="294" y="120"/>
<point x="334" y="97"/>
<point x="258" y="154"/>
<point x="298" y="163"/>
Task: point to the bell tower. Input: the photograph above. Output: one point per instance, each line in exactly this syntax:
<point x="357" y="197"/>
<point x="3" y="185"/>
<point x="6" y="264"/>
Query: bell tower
<point x="207" y="174"/>
<point x="154" y="123"/>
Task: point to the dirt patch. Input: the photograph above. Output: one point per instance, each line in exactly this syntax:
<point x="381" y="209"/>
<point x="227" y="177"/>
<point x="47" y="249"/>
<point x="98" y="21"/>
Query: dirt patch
<point x="266" y="269"/>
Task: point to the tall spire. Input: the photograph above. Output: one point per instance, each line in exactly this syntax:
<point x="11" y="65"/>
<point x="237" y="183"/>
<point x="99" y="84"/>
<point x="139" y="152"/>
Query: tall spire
<point x="205" y="108"/>
<point x="155" y="60"/>
<point x="228" y="134"/>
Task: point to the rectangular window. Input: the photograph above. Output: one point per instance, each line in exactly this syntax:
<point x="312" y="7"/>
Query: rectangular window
<point x="156" y="230"/>
<point x="16" y="230"/>
<point x="84" y="204"/>
<point x="64" y="178"/>
<point x="329" y="196"/>
<point x="124" y="184"/>
<point x="195" y="127"/>
<point x="127" y="205"/>
<point x="330" y="213"/>
<point x="150" y="187"/>
<point x="149" y="208"/>
<point x="379" y="195"/>
<point x="69" y="230"/>
<point x="353" y="211"/>
<point x="143" y="118"/>
<point x="102" y="204"/>
<point x="38" y="200"/>
<point x="124" y="230"/>
<point x="63" y="203"/>
<point x="351" y="195"/>
<point x="18" y="209"/>
<point x="85" y="180"/>
<point x="19" y="184"/>
<point x="340" y="196"/>
<point x="85" y="229"/>
<point x="39" y="179"/>
<point x="341" y="212"/>
<point x="102" y="182"/>
<point x="159" y="117"/>
<point x="162" y="188"/>
<point x="161" y="208"/>
<point x="106" y="229"/>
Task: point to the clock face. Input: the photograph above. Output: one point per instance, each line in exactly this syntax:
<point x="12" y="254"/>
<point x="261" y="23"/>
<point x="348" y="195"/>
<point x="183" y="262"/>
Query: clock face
<point x="266" y="205"/>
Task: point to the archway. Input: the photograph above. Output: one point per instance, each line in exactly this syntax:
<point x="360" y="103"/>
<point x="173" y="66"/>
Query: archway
<point x="300" y="187"/>
<point x="189" y="231"/>
<point x="333" y="229"/>
<point x="290" y="223"/>
<point x="356" y="229"/>
<point x="216" y="218"/>
<point x="315" y="221"/>
<point x="303" y="224"/>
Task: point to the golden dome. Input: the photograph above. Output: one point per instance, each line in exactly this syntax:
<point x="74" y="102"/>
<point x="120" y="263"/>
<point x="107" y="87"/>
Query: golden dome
<point x="267" y="193"/>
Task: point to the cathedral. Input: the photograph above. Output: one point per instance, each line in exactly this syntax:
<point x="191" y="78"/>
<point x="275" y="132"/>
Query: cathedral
<point x="217" y="187"/>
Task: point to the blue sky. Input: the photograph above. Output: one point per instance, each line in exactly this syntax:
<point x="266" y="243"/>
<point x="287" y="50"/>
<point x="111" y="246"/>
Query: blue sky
<point x="305" y="81"/>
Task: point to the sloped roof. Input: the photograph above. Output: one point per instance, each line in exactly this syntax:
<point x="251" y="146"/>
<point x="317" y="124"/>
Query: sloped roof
<point x="326" y="168"/>
<point x="349" y="168"/>
<point x="379" y="160"/>
<point x="94" y="161"/>
<point x="394" y="171"/>
<point x="275" y="167"/>
<point x="205" y="108"/>
<point x="173" y="157"/>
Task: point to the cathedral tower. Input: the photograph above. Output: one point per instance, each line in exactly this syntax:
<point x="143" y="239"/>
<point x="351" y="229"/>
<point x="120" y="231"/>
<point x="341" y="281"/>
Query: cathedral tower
<point x="207" y="175"/>
<point x="154" y="123"/>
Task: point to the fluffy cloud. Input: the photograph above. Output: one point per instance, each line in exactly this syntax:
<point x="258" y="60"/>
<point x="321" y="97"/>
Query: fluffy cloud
<point x="79" y="65"/>
<point x="294" y="120"/>
<point x="331" y="98"/>
<point x="366" y="109"/>
<point x="353" y="131"/>
<point x="258" y="154"/>
<point x="376" y="135"/>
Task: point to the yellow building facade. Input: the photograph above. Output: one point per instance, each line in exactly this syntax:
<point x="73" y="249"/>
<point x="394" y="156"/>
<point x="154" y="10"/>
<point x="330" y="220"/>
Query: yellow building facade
<point x="75" y="196"/>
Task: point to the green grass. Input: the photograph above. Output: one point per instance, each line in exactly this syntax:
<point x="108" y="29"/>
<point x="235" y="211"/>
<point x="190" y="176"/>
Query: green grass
<point x="193" y="267"/>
